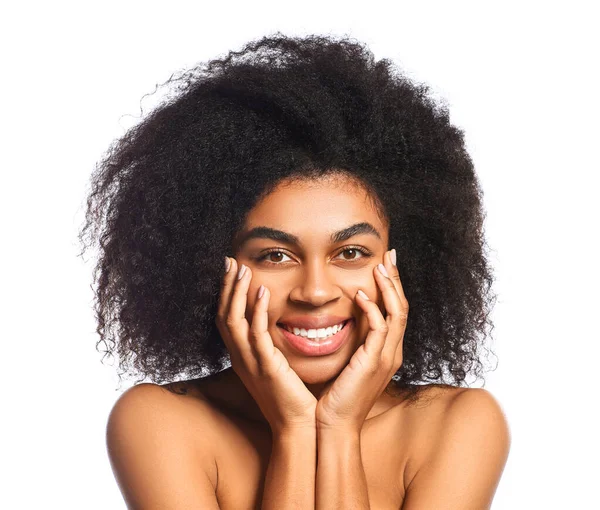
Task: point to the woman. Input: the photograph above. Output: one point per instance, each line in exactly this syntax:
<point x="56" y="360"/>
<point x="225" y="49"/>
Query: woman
<point x="338" y="192"/>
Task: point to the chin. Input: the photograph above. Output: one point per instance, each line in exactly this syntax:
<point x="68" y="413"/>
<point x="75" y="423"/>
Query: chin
<point x="321" y="369"/>
<point x="315" y="377"/>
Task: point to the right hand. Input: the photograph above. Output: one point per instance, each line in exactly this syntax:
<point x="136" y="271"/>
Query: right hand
<point x="283" y="398"/>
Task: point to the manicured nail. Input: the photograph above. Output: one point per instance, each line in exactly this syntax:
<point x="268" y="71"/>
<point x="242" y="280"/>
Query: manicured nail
<point x="241" y="272"/>
<point x="363" y="295"/>
<point x="227" y="264"/>
<point x="383" y="270"/>
<point x="393" y="256"/>
<point x="261" y="291"/>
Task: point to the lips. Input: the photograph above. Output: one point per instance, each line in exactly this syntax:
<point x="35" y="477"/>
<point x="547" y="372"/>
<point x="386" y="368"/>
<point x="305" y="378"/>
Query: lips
<point x="319" y="347"/>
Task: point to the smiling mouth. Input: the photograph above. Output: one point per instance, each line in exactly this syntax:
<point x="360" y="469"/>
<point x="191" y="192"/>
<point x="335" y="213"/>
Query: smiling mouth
<point x="315" y="335"/>
<point x="317" y="347"/>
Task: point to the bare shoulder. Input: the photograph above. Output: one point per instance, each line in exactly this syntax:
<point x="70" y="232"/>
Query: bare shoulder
<point x="158" y="439"/>
<point x="439" y="403"/>
<point x="463" y="419"/>
<point x="165" y="411"/>
<point x="179" y="405"/>
<point x="443" y="403"/>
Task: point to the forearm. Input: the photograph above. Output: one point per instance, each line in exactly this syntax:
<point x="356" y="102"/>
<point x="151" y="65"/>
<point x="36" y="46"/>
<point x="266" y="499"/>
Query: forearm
<point x="341" y="480"/>
<point x="290" y="478"/>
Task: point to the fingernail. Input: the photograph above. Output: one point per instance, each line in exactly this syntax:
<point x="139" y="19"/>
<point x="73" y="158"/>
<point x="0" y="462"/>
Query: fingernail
<point x="393" y="256"/>
<point x="227" y="264"/>
<point x="383" y="270"/>
<point x="261" y="291"/>
<point x="363" y="295"/>
<point x="241" y="272"/>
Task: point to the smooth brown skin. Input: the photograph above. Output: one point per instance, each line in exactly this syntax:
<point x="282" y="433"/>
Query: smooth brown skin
<point x="319" y="280"/>
<point x="313" y="278"/>
<point x="173" y="451"/>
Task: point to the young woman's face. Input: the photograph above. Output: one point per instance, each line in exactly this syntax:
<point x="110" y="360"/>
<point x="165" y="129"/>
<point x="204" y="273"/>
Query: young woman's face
<point x="314" y="275"/>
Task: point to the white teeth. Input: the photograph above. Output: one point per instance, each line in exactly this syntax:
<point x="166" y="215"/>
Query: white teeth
<point x="316" y="333"/>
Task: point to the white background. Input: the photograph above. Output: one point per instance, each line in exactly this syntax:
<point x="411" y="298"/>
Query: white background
<point x="521" y="78"/>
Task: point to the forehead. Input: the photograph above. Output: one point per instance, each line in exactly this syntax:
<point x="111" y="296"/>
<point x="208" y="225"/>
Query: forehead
<point x="312" y="209"/>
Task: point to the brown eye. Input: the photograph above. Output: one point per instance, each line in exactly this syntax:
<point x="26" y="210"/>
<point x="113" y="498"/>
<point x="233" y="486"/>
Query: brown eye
<point x="354" y="252"/>
<point x="272" y="257"/>
<point x="278" y="254"/>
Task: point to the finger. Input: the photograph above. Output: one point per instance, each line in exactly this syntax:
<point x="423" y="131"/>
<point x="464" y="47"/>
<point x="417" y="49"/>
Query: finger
<point x="227" y="283"/>
<point x="378" y="328"/>
<point x="263" y="343"/>
<point x="236" y="314"/>
<point x="396" y="313"/>
<point x="396" y="280"/>
<point x="394" y="275"/>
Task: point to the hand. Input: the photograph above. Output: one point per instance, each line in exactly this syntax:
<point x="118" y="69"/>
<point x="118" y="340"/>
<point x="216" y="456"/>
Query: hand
<point x="284" y="400"/>
<point x="348" y="401"/>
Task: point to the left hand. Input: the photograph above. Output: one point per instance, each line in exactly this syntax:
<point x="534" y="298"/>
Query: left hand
<point x="346" y="404"/>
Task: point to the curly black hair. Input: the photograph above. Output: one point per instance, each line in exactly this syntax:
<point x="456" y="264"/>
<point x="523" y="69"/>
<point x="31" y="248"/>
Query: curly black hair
<point x="168" y="197"/>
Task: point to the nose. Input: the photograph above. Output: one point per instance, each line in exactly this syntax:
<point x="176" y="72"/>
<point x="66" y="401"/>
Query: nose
<point x="316" y="285"/>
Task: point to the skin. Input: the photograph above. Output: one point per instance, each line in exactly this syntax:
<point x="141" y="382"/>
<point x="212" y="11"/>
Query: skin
<point x="449" y="454"/>
<point x="316" y="277"/>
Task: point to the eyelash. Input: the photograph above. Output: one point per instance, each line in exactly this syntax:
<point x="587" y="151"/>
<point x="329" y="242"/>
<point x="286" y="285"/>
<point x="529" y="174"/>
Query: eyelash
<point x="366" y="254"/>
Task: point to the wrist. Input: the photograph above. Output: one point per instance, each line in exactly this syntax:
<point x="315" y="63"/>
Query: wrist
<point x="294" y="433"/>
<point x="338" y="434"/>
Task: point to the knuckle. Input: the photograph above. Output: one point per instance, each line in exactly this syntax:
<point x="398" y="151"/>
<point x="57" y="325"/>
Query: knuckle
<point x="385" y="364"/>
<point x="383" y="328"/>
<point x="254" y="330"/>
<point x="374" y="367"/>
<point x="399" y="317"/>
<point x="234" y="289"/>
<point x="362" y="363"/>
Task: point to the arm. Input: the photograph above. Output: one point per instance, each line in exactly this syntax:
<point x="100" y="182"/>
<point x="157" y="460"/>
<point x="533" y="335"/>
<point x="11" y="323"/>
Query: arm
<point x="290" y="478"/>
<point x="341" y="480"/>
<point x="344" y="406"/>
<point x="464" y="466"/>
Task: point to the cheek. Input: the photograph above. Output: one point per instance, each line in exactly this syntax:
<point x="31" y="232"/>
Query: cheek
<point x="378" y="296"/>
<point x="252" y="297"/>
<point x="374" y="293"/>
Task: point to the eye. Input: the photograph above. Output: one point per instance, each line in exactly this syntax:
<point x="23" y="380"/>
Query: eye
<point x="263" y="258"/>
<point x="355" y="250"/>
<point x="352" y="250"/>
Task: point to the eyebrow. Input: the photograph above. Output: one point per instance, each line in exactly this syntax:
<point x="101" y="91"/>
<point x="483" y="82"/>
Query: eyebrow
<point x="285" y="237"/>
